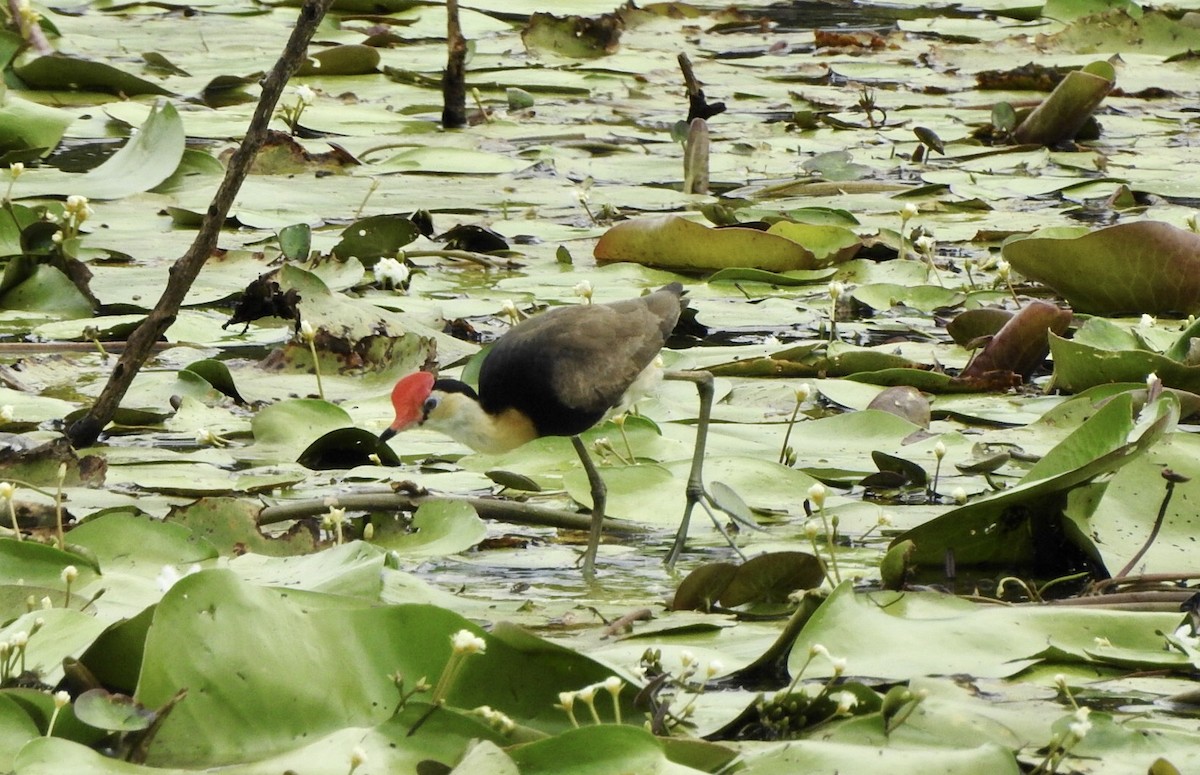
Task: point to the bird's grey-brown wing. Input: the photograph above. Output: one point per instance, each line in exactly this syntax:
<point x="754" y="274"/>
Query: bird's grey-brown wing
<point x="566" y="368"/>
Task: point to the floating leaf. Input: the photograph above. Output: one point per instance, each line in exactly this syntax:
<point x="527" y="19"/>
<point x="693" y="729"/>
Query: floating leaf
<point x="439" y="527"/>
<point x="61" y="72"/>
<point x="678" y="243"/>
<point x="903" y="401"/>
<point x="354" y="59"/>
<point x="375" y="237"/>
<point x="580" y="37"/>
<point x="767" y="578"/>
<point x="296" y="241"/>
<point x="114" y="712"/>
<point x="346" y="448"/>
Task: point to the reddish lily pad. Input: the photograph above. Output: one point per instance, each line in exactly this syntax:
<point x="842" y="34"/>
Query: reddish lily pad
<point x="1147" y="266"/>
<point x="1021" y="345"/>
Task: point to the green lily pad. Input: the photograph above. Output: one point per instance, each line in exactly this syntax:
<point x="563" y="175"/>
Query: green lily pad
<point x="678" y="243"/>
<point x="1078" y="366"/>
<point x="113" y="712"/>
<point x="1022" y="526"/>
<point x="354" y="59"/>
<point x="210" y="624"/>
<point x="64" y="72"/>
<point x="439" y="527"/>
<point x="27" y="125"/>
<point x="376" y="237"/>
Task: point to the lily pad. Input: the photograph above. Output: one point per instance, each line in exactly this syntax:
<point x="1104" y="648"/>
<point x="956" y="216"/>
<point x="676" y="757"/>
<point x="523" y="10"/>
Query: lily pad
<point x="1023" y="526"/>
<point x="1141" y="267"/>
<point x="678" y="243"/>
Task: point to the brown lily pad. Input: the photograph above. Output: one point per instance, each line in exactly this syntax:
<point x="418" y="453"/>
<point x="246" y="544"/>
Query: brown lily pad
<point x="1022" y="344"/>
<point x="1131" y="268"/>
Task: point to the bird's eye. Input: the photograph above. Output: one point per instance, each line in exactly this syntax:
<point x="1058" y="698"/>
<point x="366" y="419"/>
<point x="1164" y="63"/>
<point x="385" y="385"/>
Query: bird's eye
<point x="429" y="405"/>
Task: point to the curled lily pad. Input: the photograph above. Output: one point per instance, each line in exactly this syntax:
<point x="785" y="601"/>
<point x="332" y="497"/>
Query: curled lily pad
<point x="828" y="243"/>
<point x="971" y="327"/>
<point x="1024" y="526"/>
<point x="1021" y="345"/>
<point x="1068" y="107"/>
<point x="1142" y="267"/>
<point x="27" y="125"/>
<point x="217" y="374"/>
<point x="1079" y="366"/>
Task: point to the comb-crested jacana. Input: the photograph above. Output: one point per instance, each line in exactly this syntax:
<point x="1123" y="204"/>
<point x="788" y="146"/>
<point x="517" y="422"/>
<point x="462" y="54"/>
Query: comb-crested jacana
<point x="558" y="374"/>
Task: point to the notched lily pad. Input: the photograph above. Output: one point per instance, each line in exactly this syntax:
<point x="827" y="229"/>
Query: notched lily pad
<point x="439" y="528"/>
<point x="767" y="578"/>
<point x="376" y="237"/>
<point x="579" y="37"/>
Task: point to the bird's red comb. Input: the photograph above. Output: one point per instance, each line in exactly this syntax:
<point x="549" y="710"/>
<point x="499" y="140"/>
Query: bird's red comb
<point x="407" y="399"/>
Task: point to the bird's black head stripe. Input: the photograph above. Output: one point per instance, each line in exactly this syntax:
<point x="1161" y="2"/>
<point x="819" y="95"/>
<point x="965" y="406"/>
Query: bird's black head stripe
<point x="455" y="386"/>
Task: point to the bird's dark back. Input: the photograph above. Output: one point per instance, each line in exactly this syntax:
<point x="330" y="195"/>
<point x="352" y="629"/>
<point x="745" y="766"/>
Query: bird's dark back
<point x="567" y="367"/>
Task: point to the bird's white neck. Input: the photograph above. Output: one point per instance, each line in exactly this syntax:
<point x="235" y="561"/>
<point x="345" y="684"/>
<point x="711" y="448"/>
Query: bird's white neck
<point x="462" y="418"/>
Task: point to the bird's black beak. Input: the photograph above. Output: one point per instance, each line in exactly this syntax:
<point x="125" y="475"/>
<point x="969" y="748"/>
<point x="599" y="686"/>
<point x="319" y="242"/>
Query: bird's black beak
<point x="387" y="434"/>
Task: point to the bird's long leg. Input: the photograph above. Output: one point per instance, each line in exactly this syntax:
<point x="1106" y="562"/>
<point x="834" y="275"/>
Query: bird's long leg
<point x="599" y="498"/>
<point x="703" y="381"/>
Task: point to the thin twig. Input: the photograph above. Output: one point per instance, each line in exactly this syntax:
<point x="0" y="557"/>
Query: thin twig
<point x="459" y="255"/>
<point x="1169" y="476"/>
<point x="183" y="273"/>
<point x="32" y="33"/>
